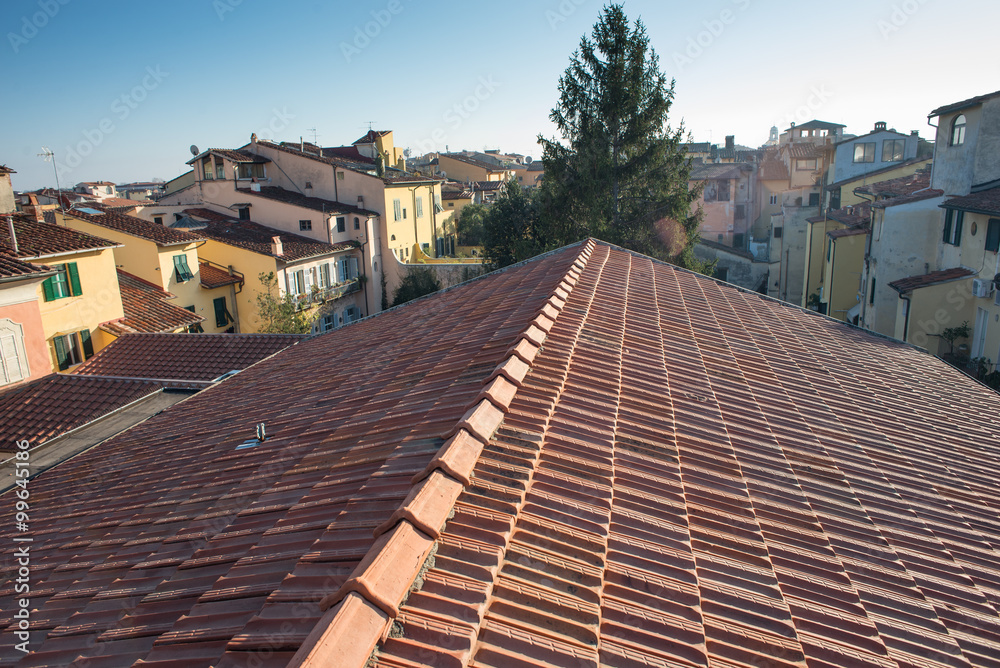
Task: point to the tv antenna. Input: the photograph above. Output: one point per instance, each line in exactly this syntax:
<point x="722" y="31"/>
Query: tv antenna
<point x="315" y="136"/>
<point x="49" y="156"/>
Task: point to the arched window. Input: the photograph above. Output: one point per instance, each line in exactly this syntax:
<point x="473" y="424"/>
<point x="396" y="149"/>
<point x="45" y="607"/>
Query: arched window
<point x="393" y="238"/>
<point x="357" y="223"/>
<point x="958" y="130"/>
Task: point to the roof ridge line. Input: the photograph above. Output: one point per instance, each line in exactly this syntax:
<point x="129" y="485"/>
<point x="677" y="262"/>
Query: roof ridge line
<point x="366" y="605"/>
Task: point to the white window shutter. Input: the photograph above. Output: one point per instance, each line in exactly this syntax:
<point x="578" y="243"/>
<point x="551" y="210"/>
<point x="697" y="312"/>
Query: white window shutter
<point x="354" y="267"/>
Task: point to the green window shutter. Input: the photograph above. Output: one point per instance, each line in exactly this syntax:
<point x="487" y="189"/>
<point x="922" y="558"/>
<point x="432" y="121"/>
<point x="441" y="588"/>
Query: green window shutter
<point x="88" y="345"/>
<point x="958" y="227"/>
<point x="220" y="311"/>
<point x="62" y="357"/>
<point x="947" y="224"/>
<point x="49" y="289"/>
<point x="74" y="278"/>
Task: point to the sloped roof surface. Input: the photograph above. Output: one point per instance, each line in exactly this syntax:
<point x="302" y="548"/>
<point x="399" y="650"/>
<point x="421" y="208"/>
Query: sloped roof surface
<point x="136" y="227"/>
<point x="11" y="267"/>
<point x="716" y="171"/>
<point x="900" y="186"/>
<point x="183" y="356"/>
<point x="314" y="203"/>
<point x="933" y="278"/>
<point x="44" y="408"/>
<point x="657" y="469"/>
<point x="38" y="239"/>
<point x="964" y="104"/>
<point x="985" y="202"/>
<point x="214" y="277"/>
<point x="146" y="309"/>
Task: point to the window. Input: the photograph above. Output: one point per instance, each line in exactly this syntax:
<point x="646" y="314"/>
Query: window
<point x="357" y="223"/>
<point x="710" y="191"/>
<point x="305" y="225"/>
<point x="222" y="316"/>
<point x="437" y="203"/>
<point x="327" y="323"/>
<point x="340" y="176"/>
<point x="813" y="199"/>
<point x="181" y="270"/>
<point x="249" y="170"/>
<point x="244" y="213"/>
<point x="73" y="348"/>
<point x="341" y="224"/>
<point x="871" y="295"/>
<point x="723" y="191"/>
<point x="397" y="209"/>
<point x="324" y="276"/>
<point x="774" y="199"/>
<point x="777" y="232"/>
<point x="206" y="169"/>
<point x="13" y="358"/>
<point x="299" y="282"/>
<point x="892" y="150"/>
<point x="393" y="238"/>
<point x="741" y="212"/>
<point x="958" y="130"/>
<point x="993" y="235"/>
<point x="404" y="213"/>
<point x="864" y="151"/>
<point x="66" y="283"/>
<point x="451" y="204"/>
<point x="351" y="313"/>
<point x="158" y="220"/>
<point x="347" y="269"/>
<point x="220" y="169"/>
<point x="196" y="328"/>
<point x="418" y="208"/>
<point x="805" y="165"/>
<point x="953" y="227"/>
<point x="722" y="273"/>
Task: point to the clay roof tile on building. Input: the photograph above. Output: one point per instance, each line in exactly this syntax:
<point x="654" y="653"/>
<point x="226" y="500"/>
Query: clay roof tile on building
<point x="216" y="277"/>
<point x="315" y="203"/>
<point x="201" y="357"/>
<point x="986" y="202"/>
<point x="239" y="156"/>
<point x="146" y="309"/>
<point x="964" y="104"/>
<point x="12" y="268"/>
<point x="136" y="227"/>
<point x="42" y="238"/>
<point x="612" y="461"/>
<point x="933" y="278"/>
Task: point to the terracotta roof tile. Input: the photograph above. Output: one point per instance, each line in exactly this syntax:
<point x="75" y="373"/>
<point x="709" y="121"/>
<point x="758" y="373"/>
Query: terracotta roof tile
<point x="315" y="203"/>
<point x="964" y="104"/>
<point x="935" y="277"/>
<point x="687" y="474"/>
<point x="481" y="164"/>
<point x="39" y="239"/>
<point x="898" y="187"/>
<point x="233" y="155"/>
<point x="985" y="201"/>
<point x="12" y="268"/>
<point x="184" y="356"/>
<point x="42" y="409"/>
<point x="772" y="168"/>
<point x="137" y="227"/>
<point x="146" y="310"/>
<point x="215" y="277"/>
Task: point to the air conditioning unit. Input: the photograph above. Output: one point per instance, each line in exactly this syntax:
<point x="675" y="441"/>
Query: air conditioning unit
<point x="981" y="287"/>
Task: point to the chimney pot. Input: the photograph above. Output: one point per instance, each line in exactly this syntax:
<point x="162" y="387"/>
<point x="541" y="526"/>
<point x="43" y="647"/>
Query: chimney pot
<point x="276" y="246"/>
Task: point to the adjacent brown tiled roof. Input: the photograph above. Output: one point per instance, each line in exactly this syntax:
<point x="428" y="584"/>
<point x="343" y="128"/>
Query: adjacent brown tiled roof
<point x="613" y="461"/>
<point x="145" y="309"/>
<point x="901" y="186"/>
<point x="233" y="155"/>
<point x="877" y="172"/>
<point x="40" y="239"/>
<point x="490" y="167"/>
<point x="935" y="277"/>
<point x="907" y="199"/>
<point x="304" y="201"/>
<point x="121" y="204"/>
<point x="42" y="409"/>
<point x="136" y="227"/>
<point x="964" y="104"/>
<point x="488" y="186"/>
<point x="848" y="232"/>
<point x="773" y="168"/>
<point x="716" y="171"/>
<point x="852" y="216"/>
<point x="986" y="202"/>
<point x="363" y="167"/>
<point x="804" y="150"/>
<point x="13" y="268"/>
<point x="4" y="169"/>
<point x="371" y="136"/>
<point x="184" y="356"/>
<point x="215" y="277"/>
<point x="253" y="237"/>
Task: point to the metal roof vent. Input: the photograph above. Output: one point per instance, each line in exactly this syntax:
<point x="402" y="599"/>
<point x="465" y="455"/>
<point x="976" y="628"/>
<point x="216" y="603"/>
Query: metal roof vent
<point x="259" y="437"/>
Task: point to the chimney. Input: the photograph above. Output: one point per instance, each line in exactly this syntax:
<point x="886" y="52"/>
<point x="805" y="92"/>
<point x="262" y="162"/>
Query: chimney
<point x="914" y="133"/>
<point x="13" y="235"/>
<point x="254" y="186"/>
<point x="880" y="125"/>
<point x="730" y="142"/>
<point x="276" y="247"/>
<point x="361" y="201"/>
<point x="34" y="209"/>
<point x="302" y="145"/>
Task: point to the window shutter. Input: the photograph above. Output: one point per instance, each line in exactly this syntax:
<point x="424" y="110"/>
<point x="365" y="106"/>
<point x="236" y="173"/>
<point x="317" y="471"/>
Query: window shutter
<point x="993" y="235"/>
<point x="947" y="224"/>
<point x="353" y="267"/>
<point x="62" y="358"/>
<point x="397" y="209"/>
<point x="88" y="345"/>
<point x="958" y="227"/>
<point x="74" y="278"/>
<point x="48" y="289"/>
<point x="308" y="273"/>
<point x="220" y="311"/>
<point x="420" y="207"/>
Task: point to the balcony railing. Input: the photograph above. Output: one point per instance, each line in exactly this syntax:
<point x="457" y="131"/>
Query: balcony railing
<point x="321" y="295"/>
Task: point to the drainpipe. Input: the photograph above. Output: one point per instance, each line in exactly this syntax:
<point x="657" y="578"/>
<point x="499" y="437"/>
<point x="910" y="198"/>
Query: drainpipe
<point x="906" y="320"/>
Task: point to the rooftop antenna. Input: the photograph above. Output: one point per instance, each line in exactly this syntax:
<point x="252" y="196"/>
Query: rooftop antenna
<point x="315" y="136"/>
<point x="49" y="156"/>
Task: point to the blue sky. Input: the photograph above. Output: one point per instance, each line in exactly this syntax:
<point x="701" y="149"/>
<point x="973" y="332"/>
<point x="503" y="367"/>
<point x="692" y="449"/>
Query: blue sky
<point x="120" y="90"/>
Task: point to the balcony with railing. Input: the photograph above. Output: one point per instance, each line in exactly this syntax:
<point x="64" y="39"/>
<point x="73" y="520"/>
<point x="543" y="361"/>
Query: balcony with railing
<point x="323" y="295"/>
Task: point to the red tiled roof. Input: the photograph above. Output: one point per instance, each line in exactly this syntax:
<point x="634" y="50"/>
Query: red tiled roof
<point x="136" y="227"/>
<point x="315" y="203"/>
<point x="253" y="237"/>
<point x="121" y="204"/>
<point x="907" y="199"/>
<point x="901" y="186"/>
<point x="848" y="232"/>
<point x="12" y="269"/>
<point x="804" y="150"/>
<point x="772" y="168"/>
<point x="4" y="169"/>
<point x="869" y="175"/>
<point x="852" y="216"/>
<point x="986" y="202"/>
<point x="145" y="309"/>
<point x="481" y="164"/>
<point x="723" y="171"/>
<point x="47" y="407"/>
<point x="964" y="104"/>
<point x="214" y="277"/>
<point x="40" y="239"/>
<point x="184" y="356"/>
<point x="371" y="136"/>
<point x="233" y="155"/>
<point x="360" y="166"/>
<point x="935" y="277"/>
<point x="684" y="474"/>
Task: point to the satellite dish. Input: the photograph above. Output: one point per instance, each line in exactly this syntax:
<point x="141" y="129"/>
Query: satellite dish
<point x="194" y="150"/>
<point x="528" y="160"/>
